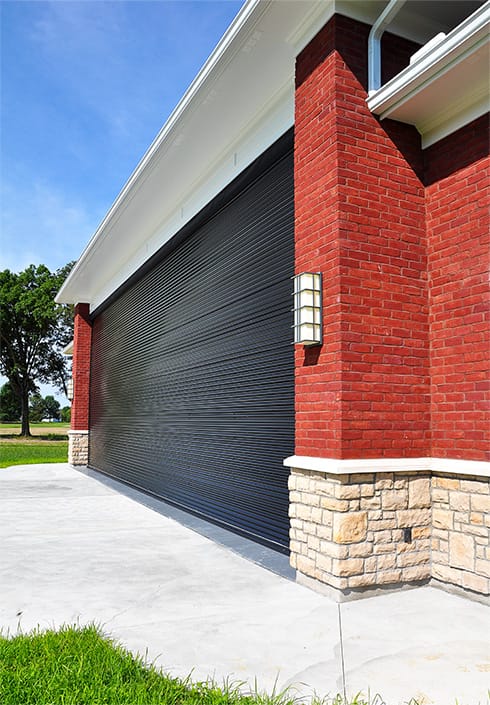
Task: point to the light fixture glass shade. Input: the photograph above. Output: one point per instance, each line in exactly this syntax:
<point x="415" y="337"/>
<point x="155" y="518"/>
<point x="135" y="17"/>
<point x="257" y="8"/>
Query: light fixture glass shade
<point x="308" y="308"/>
<point x="69" y="389"/>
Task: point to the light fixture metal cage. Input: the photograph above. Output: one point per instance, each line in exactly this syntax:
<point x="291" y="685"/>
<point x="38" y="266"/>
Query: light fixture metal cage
<point x="308" y="308"/>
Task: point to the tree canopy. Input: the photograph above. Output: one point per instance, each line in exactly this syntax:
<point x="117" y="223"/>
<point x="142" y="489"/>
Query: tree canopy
<point x="9" y="405"/>
<point x="34" y="330"/>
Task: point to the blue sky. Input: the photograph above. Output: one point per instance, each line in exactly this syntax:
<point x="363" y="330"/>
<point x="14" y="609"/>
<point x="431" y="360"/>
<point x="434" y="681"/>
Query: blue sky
<point x="85" y="88"/>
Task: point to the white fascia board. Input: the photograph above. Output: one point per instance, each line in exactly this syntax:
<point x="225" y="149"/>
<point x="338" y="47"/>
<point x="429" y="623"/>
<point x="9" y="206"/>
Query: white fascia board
<point x="332" y="466"/>
<point x="414" y="94"/>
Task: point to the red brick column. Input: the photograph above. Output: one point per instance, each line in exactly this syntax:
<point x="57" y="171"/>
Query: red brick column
<point x="360" y="219"/>
<point x="78" y="450"/>
<point x="458" y="229"/>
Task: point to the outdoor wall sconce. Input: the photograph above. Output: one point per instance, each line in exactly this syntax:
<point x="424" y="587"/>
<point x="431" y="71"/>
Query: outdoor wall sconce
<point x="69" y="389"/>
<point x="308" y="308"/>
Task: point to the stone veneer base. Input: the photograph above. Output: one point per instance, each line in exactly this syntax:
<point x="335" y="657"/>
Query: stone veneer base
<point x="78" y="447"/>
<point x="354" y="533"/>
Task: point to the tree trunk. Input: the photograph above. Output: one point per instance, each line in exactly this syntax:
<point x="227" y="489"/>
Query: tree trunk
<point x="24" y="405"/>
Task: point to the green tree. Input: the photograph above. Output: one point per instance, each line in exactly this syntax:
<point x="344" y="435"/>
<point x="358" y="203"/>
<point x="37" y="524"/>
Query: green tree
<point x="37" y="408"/>
<point x="66" y="414"/>
<point x="51" y="408"/>
<point x="9" y="404"/>
<point x="33" y="332"/>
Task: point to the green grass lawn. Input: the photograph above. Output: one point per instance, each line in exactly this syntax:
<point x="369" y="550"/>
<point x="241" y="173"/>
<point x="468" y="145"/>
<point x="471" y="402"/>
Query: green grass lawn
<point x="37" y="429"/>
<point x="81" y="667"/>
<point x="27" y="452"/>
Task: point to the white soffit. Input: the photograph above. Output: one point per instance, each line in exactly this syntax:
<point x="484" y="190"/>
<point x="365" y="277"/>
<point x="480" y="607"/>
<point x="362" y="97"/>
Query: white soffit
<point x="445" y="88"/>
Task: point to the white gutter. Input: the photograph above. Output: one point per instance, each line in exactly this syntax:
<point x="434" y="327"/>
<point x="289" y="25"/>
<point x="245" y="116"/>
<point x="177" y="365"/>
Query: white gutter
<point x="374" y="43"/>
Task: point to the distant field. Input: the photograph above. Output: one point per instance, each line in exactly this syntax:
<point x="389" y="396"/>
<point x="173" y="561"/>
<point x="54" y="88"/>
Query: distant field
<point x="21" y="452"/>
<point x="37" y="429"/>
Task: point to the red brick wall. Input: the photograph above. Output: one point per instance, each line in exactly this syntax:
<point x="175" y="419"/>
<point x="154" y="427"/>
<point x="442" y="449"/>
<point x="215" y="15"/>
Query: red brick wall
<point x="360" y="219"/>
<point x="458" y="227"/>
<point x="81" y="368"/>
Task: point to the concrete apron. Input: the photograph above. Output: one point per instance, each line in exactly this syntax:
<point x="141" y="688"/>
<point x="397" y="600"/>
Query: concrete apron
<point x="74" y="550"/>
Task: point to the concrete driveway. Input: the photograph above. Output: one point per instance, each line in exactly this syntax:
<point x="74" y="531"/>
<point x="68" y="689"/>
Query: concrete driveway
<point x="75" y="550"/>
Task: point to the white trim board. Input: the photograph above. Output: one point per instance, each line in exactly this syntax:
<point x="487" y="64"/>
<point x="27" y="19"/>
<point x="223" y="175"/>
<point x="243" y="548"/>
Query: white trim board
<point x="333" y="466"/>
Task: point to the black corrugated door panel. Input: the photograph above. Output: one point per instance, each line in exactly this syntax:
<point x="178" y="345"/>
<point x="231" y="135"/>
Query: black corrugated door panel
<point x="192" y="381"/>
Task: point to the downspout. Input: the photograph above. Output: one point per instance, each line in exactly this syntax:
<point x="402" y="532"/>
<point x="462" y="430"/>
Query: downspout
<point x="374" y="44"/>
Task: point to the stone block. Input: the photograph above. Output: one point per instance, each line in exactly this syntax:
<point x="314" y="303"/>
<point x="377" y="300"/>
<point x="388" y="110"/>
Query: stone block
<point x="459" y="501"/>
<point x="447" y="574"/>
<point x="316" y="515"/>
<point x="421" y="532"/>
<point x="413" y="517"/>
<point x="480" y="503"/>
<point x="333" y="504"/>
<point x="313" y="542"/>
<point x="302" y="511"/>
<point x="476" y="583"/>
<point x="370" y="502"/>
<point x="394" y="499"/>
<point x="442" y="519"/>
<point x="476" y="518"/>
<point x="482" y="567"/>
<point x="363" y="580"/>
<point x="476" y="486"/>
<point x="419" y="493"/>
<point x="461" y="551"/>
<point x="324" y="563"/>
<point x="384" y="547"/>
<point x="446" y="483"/>
<point x="334" y="550"/>
<point x="350" y="528"/>
<point x="475" y="530"/>
<point x="310" y="498"/>
<point x="386" y="561"/>
<point x="382" y="524"/>
<point x="292" y="482"/>
<point x="323" y="531"/>
<point x="370" y="564"/>
<point x="367" y="490"/>
<point x="360" y="550"/>
<point x="384" y="482"/>
<point x="389" y="576"/>
<point x="347" y="566"/>
<point x="416" y="572"/>
<point x="383" y="536"/>
<point x="302" y="482"/>
<point x="348" y="491"/>
<point x="304" y="564"/>
<point x="440" y="496"/>
<point x="413" y="558"/>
